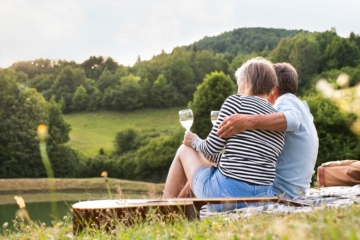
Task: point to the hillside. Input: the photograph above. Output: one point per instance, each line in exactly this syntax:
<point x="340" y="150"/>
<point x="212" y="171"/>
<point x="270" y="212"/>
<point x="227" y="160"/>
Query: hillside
<point x="244" y="40"/>
<point x="94" y="130"/>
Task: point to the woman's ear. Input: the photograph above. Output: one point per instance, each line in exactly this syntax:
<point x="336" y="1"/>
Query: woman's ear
<point x="241" y="87"/>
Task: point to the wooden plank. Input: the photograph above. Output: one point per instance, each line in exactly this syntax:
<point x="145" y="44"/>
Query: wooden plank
<point x="104" y="214"/>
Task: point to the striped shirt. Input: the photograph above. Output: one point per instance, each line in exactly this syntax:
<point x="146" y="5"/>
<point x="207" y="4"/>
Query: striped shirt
<point x="249" y="156"/>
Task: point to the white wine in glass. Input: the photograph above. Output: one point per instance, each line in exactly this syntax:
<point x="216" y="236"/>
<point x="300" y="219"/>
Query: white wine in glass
<point x="186" y="118"/>
<point x="214" y="116"/>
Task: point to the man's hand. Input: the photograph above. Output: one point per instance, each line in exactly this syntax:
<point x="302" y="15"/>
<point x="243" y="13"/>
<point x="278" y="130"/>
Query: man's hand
<point x="233" y="124"/>
<point x="188" y="138"/>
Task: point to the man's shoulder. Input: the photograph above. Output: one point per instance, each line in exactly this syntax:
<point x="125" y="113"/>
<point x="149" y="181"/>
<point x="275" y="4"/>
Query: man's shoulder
<point x="288" y="96"/>
<point x="290" y="99"/>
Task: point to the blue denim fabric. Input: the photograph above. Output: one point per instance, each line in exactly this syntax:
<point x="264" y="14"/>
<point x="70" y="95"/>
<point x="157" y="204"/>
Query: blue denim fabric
<point x="209" y="182"/>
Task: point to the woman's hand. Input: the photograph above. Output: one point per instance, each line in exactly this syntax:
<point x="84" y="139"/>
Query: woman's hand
<point x="188" y="138"/>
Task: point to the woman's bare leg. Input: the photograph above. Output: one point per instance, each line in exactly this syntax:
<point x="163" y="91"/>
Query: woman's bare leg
<point x="186" y="162"/>
<point x="186" y="192"/>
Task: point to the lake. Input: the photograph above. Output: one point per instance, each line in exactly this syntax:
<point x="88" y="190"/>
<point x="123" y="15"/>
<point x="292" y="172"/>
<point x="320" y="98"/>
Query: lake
<point x="40" y="208"/>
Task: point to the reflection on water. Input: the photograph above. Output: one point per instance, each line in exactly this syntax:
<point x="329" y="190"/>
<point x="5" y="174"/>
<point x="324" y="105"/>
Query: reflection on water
<point x="38" y="211"/>
<point x="39" y="206"/>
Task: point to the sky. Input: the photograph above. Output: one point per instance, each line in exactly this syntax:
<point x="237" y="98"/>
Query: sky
<point x="124" y="29"/>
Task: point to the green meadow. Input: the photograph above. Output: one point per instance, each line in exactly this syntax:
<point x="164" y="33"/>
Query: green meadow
<point x="91" y="131"/>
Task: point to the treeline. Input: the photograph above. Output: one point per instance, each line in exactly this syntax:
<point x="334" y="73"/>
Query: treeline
<point x="244" y="40"/>
<point x="198" y="75"/>
<point x="165" y="81"/>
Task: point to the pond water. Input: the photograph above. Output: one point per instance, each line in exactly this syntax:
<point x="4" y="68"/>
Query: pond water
<point x="40" y="208"/>
<point x="38" y="212"/>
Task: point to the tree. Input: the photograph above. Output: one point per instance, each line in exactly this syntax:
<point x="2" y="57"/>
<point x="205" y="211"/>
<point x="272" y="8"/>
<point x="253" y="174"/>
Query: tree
<point x="122" y="71"/>
<point x="93" y="67"/>
<point x="161" y="93"/>
<point x="206" y="62"/>
<point x="126" y="140"/>
<point x="303" y="52"/>
<point x="282" y="52"/>
<point x="107" y="79"/>
<point x="125" y="96"/>
<point x="110" y="64"/>
<point x="95" y="100"/>
<point x="324" y="39"/>
<point x="181" y="76"/>
<point x="342" y="52"/>
<point x="19" y="127"/>
<point x="66" y="84"/>
<point x="58" y="129"/>
<point x="35" y="67"/>
<point x="80" y="98"/>
<point x="21" y="112"/>
<point x="42" y="83"/>
<point x="209" y="96"/>
<point x="240" y="59"/>
<point x="305" y="57"/>
<point x="8" y="95"/>
<point x="355" y="38"/>
<point x="64" y="162"/>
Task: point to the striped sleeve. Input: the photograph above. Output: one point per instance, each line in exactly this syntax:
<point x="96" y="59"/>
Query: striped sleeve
<point x="212" y="145"/>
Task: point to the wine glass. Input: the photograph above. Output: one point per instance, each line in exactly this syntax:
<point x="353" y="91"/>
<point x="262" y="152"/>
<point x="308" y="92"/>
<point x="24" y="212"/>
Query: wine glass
<point x="214" y="116"/>
<point x="186" y="118"/>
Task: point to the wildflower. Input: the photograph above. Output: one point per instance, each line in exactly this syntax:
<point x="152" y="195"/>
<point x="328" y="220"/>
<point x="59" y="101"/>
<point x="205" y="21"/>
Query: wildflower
<point x="5" y="225"/>
<point x="20" y="201"/>
<point x="215" y="227"/>
<point x="325" y="88"/>
<point x="23" y="214"/>
<point x="104" y="174"/>
<point x="343" y="80"/>
<point x="357" y="91"/>
<point x="42" y="132"/>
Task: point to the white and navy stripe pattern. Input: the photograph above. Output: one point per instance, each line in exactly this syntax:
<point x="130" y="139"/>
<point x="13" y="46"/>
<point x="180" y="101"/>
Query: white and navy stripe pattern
<point x="249" y="156"/>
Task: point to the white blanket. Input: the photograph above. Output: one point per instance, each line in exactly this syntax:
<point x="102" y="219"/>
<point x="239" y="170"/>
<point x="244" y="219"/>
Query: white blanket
<point x="315" y="198"/>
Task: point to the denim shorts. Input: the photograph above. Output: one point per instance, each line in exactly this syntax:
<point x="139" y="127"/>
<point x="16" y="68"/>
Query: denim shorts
<point x="209" y="182"/>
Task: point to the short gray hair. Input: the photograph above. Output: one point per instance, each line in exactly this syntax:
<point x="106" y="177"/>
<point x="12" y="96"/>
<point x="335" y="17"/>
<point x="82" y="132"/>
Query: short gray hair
<point x="258" y="75"/>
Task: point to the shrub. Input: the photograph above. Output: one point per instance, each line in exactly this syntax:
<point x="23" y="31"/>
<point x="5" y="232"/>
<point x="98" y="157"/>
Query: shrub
<point x="153" y="160"/>
<point x="126" y="140"/>
<point x="209" y="96"/>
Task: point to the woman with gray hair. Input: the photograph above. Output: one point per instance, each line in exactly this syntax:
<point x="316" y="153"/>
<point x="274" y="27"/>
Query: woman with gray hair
<point x="242" y="165"/>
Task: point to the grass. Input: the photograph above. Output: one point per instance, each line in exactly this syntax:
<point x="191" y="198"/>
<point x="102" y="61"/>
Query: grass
<point x="94" y="130"/>
<point x="341" y="223"/>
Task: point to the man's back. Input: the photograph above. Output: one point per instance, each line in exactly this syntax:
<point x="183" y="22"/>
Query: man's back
<point x="295" y="165"/>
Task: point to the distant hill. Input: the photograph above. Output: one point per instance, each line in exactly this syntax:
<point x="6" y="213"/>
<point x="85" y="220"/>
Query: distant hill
<point x="243" y="40"/>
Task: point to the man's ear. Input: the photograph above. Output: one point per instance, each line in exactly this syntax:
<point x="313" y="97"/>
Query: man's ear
<point x="274" y="94"/>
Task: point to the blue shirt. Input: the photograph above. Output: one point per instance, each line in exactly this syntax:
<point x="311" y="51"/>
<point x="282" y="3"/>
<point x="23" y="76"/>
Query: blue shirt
<point x="295" y="165"/>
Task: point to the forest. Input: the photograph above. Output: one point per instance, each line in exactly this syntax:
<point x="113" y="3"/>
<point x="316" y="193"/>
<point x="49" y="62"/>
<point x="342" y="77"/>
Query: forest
<point x="199" y="76"/>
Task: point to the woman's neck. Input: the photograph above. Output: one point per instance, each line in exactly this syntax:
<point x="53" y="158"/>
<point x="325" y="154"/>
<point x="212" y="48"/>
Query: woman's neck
<point x="263" y="96"/>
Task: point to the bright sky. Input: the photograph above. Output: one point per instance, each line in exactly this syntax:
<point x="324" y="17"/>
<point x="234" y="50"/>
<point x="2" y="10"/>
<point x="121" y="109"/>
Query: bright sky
<point x="123" y="30"/>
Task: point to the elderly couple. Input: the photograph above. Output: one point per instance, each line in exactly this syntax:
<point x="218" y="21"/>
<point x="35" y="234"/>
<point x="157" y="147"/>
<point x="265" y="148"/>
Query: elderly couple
<point x="264" y="142"/>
